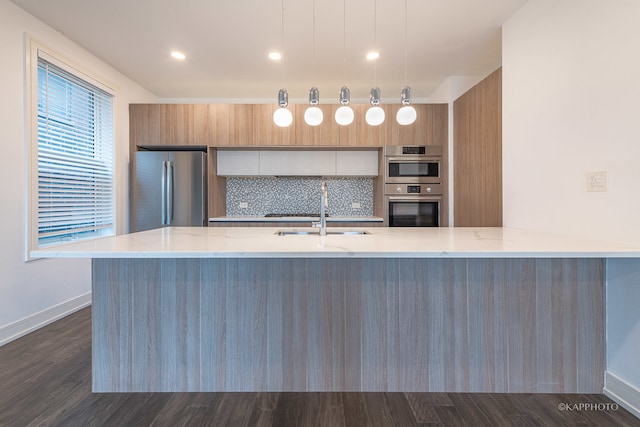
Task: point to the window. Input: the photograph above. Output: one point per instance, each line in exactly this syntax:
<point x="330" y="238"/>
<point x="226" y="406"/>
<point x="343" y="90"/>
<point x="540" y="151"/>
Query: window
<point x="73" y="193"/>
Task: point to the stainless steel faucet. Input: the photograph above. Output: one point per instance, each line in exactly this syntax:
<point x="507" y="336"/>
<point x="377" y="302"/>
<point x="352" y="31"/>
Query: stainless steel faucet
<point x="324" y="204"/>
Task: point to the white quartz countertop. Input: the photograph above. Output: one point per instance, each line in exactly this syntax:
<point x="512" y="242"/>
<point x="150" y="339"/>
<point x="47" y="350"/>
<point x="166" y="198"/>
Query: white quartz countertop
<point x="383" y="242"/>
<point x="308" y="219"/>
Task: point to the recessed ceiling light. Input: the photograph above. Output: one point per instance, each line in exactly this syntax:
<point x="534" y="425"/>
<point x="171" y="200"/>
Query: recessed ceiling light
<point x="275" y="56"/>
<point x="178" y="55"/>
<point x="373" y="55"/>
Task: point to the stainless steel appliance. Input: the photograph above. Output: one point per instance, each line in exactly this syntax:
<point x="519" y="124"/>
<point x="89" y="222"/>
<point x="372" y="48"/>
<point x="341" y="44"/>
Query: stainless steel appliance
<point x="169" y="188"/>
<point x="413" y="164"/>
<point x="413" y="186"/>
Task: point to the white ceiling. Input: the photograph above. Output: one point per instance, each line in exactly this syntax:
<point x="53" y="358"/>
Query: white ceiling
<point x="226" y="43"/>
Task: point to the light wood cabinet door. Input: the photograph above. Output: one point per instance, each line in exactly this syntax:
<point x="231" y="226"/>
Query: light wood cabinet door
<point x="430" y="127"/>
<point x="169" y="124"/>
<point x="144" y="124"/>
<point x="361" y="134"/>
<point x="325" y="134"/>
<point x="231" y="124"/>
<point x="184" y="124"/>
<point x="266" y="133"/>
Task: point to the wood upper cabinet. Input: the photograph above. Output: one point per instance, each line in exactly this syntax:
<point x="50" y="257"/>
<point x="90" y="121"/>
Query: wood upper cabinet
<point x="169" y="124"/>
<point x="361" y="134"/>
<point x="223" y="125"/>
<point x="430" y="127"/>
<point x="266" y="133"/>
<point x="144" y="124"/>
<point x="325" y="134"/>
<point x="231" y="124"/>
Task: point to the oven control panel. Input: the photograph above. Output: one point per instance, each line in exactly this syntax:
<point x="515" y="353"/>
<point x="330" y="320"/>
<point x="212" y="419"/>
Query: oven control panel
<point x="413" y="189"/>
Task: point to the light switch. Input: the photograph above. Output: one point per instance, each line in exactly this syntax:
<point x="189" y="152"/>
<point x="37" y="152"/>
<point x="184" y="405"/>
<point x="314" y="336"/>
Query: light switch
<point x="597" y="181"/>
<point x="244" y="205"/>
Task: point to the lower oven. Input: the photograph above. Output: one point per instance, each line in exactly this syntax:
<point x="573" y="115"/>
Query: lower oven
<point x="412" y="205"/>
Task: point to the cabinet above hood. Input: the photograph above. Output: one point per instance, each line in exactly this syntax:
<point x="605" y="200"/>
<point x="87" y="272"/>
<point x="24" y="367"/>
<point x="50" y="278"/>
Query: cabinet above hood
<point x="278" y="162"/>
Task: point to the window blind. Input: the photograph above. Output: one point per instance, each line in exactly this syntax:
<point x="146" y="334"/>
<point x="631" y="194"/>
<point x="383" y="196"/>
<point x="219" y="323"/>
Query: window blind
<point x="75" y="157"/>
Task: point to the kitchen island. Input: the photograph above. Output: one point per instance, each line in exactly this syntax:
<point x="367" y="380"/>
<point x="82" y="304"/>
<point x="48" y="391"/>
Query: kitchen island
<point x="435" y="309"/>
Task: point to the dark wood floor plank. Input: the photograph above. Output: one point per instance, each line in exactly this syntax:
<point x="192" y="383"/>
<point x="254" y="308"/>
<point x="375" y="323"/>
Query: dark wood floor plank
<point x="423" y="406"/>
<point x="388" y="409"/>
<point x="45" y="380"/>
<point x="355" y="414"/>
<point x="309" y="410"/>
<point x="263" y="409"/>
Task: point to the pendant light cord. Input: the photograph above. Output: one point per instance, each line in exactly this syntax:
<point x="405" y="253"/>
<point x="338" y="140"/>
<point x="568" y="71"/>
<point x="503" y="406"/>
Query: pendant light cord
<point x="344" y="40"/>
<point x="282" y="42"/>
<point x="406" y="42"/>
<point x="313" y="31"/>
<point x="375" y="41"/>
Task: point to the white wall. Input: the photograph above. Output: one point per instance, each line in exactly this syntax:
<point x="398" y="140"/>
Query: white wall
<point x="571" y="90"/>
<point x="30" y="288"/>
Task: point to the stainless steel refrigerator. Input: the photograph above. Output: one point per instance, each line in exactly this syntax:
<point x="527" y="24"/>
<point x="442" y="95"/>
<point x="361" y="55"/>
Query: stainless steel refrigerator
<point x="169" y="188"/>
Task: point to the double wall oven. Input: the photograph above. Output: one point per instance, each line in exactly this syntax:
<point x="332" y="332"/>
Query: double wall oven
<point x="413" y="186"/>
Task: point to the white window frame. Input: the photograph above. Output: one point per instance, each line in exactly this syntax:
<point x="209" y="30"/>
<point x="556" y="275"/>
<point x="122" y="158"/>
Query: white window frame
<point x="34" y="50"/>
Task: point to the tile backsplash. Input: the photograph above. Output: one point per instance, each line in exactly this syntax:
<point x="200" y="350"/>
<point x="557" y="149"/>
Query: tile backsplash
<point x="295" y="195"/>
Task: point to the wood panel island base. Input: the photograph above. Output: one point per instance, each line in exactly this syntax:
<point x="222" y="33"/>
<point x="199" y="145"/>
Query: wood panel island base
<point x="445" y="309"/>
<point x="490" y="325"/>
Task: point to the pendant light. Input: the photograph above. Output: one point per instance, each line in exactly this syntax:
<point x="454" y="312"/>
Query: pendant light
<point x="406" y="114"/>
<point x="375" y="113"/>
<point x="344" y="114"/>
<point x="282" y="117"/>
<point x="313" y="114"/>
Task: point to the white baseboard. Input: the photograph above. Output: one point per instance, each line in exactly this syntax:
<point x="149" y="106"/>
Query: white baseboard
<point x="29" y="324"/>
<point x="622" y="393"/>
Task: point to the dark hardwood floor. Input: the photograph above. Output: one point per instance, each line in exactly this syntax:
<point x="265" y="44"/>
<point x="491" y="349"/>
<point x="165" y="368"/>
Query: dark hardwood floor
<point x="45" y="380"/>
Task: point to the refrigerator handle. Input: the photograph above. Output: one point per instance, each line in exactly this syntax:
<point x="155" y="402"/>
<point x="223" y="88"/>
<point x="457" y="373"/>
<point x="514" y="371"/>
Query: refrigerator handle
<point x="163" y="193"/>
<point x="169" y="192"/>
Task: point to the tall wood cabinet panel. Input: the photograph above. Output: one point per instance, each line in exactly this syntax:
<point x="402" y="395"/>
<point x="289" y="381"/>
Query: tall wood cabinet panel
<point x="325" y="134"/>
<point x="478" y="154"/>
<point x="231" y="124"/>
<point x="266" y="133"/>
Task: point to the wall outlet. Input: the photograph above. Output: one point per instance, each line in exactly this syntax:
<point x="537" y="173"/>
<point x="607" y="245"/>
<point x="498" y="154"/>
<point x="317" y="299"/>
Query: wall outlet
<point x="597" y="181"/>
<point x="244" y="205"/>
<point x="355" y="205"/>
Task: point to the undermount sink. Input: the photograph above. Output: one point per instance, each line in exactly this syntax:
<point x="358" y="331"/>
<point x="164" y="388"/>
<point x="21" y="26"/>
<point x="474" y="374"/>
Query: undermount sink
<point x="317" y="232"/>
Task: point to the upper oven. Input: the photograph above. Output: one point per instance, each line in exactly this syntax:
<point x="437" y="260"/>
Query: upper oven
<point x="413" y="164"/>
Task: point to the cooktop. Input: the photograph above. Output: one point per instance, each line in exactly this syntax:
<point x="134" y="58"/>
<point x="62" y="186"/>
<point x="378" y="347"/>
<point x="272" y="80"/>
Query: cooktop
<point x="275" y="215"/>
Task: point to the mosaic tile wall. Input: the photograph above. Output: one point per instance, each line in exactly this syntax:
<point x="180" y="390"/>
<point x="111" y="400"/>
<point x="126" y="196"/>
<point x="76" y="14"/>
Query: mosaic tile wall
<point x="295" y="195"/>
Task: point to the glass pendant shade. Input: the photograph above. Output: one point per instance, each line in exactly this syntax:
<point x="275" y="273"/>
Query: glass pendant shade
<point x="313" y="115"/>
<point x="375" y="113"/>
<point x="374" y="116"/>
<point x="406" y="114"/>
<point x="283" y="117"/>
<point x="344" y="114"/>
